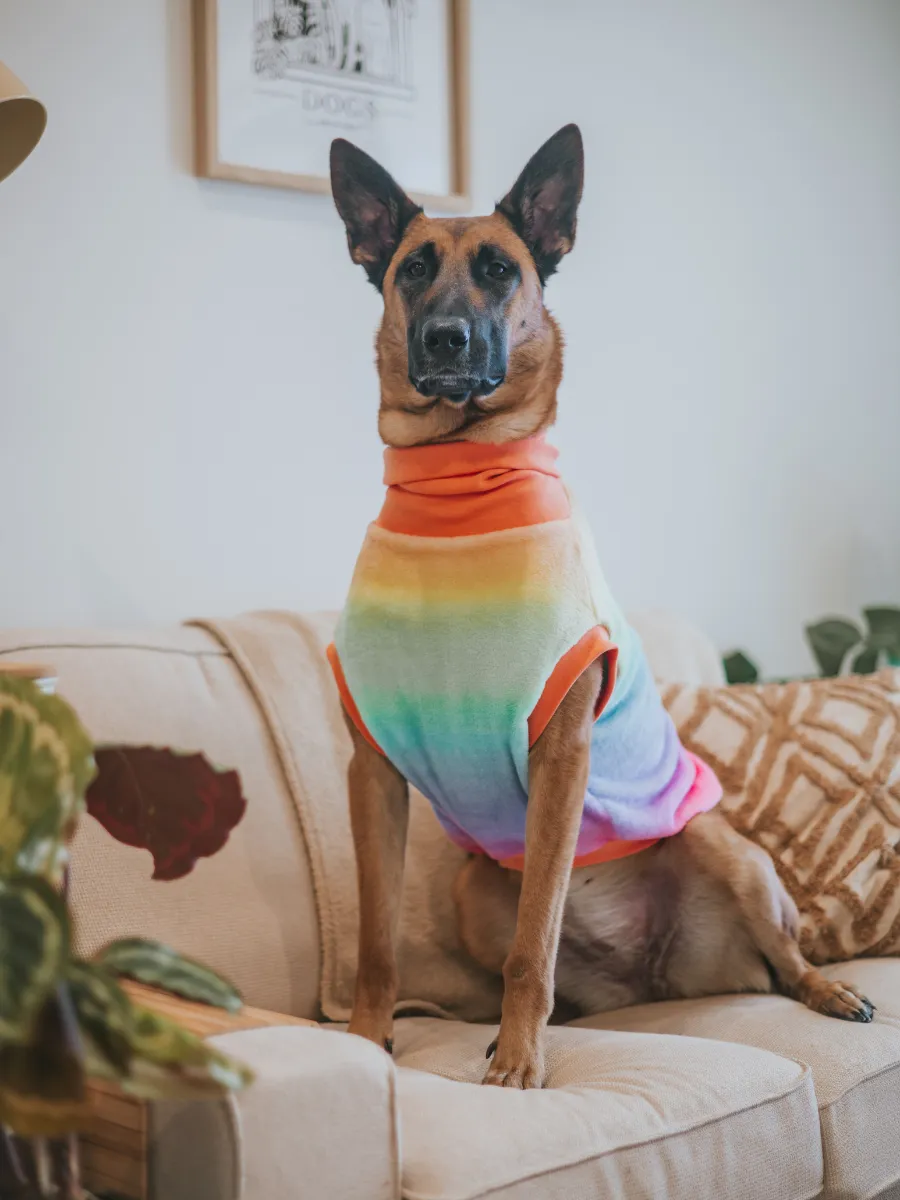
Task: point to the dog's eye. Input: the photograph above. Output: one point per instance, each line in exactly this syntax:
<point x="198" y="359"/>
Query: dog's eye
<point x="496" y="269"/>
<point x="415" y="269"/>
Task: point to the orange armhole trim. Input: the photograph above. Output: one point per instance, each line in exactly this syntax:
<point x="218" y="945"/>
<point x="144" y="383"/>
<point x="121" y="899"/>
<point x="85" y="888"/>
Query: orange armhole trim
<point x="593" y="645"/>
<point x="347" y="700"/>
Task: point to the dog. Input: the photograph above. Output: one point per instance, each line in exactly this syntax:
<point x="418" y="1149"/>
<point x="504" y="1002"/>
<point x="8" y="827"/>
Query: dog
<point x="469" y="362"/>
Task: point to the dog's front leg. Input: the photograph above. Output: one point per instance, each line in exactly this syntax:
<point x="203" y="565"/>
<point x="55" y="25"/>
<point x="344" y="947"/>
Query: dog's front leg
<point x="379" y="814"/>
<point x="557" y="778"/>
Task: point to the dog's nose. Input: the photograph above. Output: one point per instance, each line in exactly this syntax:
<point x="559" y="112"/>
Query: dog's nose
<point x="446" y="336"/>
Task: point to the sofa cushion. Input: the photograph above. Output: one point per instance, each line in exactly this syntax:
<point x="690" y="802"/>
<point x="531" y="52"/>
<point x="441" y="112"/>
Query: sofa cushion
<point x="856" y="1068"/>
<point x="811" y="771"/>
<point x="620" y="1115"/>
<point x="248" y="911"/>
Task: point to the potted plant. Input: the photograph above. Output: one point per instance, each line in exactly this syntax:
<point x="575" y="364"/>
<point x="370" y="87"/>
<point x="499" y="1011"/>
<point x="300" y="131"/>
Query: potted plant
<point x="65" y="1020"/>
<point x="838" y="645"/>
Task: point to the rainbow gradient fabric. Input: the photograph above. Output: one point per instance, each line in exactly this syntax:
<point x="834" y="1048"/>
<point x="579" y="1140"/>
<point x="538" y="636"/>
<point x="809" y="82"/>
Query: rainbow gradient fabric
<point x="476" y="602"/>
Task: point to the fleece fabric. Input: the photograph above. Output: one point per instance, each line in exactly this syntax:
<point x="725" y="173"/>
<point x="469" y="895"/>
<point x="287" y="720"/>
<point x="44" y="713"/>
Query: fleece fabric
<point x="476" y="602"/>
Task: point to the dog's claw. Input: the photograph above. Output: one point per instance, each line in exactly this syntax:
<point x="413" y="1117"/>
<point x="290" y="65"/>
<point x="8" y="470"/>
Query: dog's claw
<point x="517" y="1062"/>
<point x="844" y="1002"/>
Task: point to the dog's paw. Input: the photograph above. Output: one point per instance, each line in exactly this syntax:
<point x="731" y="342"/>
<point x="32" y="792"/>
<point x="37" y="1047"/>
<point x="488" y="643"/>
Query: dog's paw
<point x="519" y="1067"/>
<point x="841" y="1000"/>
<point x="375" y="1029"/>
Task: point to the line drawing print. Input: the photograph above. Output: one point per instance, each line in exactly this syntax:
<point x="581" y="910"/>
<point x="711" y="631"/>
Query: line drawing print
<point x="360" y="45"/>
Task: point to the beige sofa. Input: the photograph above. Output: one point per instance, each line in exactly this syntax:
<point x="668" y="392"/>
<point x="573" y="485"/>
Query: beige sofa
<point x="731" y="1097"/>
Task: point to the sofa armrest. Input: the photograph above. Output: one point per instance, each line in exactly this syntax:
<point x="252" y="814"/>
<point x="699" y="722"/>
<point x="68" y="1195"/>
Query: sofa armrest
<point x="318" y="1120"/>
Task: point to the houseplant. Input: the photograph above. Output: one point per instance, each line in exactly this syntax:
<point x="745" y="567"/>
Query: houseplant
<point x="65" y="1019"/>
<point x="838" y="645"/>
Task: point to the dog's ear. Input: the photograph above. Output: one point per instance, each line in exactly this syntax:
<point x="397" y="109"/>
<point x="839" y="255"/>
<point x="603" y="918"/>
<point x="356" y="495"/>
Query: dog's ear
<point x="543" y="202"/>
<point x="373" y="207"/>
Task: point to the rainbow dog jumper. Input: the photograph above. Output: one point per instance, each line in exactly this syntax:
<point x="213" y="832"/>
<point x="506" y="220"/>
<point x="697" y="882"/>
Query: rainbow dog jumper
<point x="476" y="603"/>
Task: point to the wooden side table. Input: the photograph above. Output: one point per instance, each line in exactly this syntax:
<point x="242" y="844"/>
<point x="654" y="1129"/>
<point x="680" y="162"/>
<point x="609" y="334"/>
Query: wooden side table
<point x="114" y="1152"/>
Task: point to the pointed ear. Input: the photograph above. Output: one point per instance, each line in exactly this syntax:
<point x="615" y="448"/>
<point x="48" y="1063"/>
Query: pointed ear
<point x="374" y="209"/>
<point x="543" y="202"/>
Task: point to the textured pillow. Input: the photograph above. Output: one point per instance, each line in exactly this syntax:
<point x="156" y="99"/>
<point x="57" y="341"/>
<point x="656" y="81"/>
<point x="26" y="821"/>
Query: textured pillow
<point x="811" y="771"/>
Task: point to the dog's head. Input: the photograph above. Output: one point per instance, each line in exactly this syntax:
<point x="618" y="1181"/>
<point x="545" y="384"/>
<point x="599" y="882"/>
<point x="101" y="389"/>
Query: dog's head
<point x="466" y="348"/>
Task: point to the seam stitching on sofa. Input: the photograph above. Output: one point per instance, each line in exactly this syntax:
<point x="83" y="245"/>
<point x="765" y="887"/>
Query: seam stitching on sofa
<point x="880" y="1189"/>
<point x="885" y="1183"/>
<point x="859" y="1083"/>
<point x="805" y="1078"/>
<point x="239" y="1166"/>
<point x="212" y="652"/>
<point x="396" y="1133"/>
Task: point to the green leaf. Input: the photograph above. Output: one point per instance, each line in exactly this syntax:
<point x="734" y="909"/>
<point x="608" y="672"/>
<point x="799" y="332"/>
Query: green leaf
<point x="171" y="1062"/>
<point x="42" y="1082"/>
<point x="866" y="661"/>
<point x="161" y="966"/>
<point x="104" y="1014"/>
<point x="148" y="1055"/>
<point x="884" y="629"/>
<point x="46" y="764"/>
<point x="739" y="668"/>
<point x="830" y="642"/>
<point x="34" y="945"/>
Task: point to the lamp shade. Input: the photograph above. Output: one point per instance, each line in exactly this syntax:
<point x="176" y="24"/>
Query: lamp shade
<point x="22" y="121"/>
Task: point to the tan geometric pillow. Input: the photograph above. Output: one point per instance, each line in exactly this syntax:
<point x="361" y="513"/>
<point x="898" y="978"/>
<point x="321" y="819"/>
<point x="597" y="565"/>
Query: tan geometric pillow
<point x="811" y="771"/>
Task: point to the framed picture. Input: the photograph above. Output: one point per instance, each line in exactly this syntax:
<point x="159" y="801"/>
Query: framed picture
<point x="278" y="79"/>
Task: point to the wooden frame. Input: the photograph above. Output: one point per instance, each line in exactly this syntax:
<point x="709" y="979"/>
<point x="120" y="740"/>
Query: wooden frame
<point x="210" y="166"/>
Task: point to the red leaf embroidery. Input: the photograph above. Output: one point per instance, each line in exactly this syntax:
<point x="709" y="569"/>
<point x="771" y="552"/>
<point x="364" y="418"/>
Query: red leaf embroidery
<point x="177" y="806"/>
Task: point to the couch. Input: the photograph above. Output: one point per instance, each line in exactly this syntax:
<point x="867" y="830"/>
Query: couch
<point x="731" y="1097"/>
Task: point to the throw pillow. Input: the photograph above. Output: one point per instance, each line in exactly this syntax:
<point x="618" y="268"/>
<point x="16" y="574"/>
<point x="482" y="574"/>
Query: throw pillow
<point x="811" y="771"/>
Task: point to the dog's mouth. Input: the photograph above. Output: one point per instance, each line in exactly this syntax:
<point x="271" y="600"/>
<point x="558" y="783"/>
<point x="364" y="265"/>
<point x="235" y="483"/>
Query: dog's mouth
<point x="457" y="389"/>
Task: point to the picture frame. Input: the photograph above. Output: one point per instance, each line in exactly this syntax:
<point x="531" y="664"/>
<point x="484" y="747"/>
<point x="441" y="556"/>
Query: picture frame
<point x="276" y="80"/>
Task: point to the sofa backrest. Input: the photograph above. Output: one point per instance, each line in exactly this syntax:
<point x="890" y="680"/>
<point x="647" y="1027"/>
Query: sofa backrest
<point x="248" y="911"/>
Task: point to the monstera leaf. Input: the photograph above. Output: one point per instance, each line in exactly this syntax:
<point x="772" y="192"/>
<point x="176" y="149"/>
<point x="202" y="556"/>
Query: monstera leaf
<point x="34" y="946"/>
<point x="160" y="966"/>
<point x="45" y="767"/>
<point x="177" y="806"/>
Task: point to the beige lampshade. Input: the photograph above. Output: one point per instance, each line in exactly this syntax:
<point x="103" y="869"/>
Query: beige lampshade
<point x="22" y="121"/>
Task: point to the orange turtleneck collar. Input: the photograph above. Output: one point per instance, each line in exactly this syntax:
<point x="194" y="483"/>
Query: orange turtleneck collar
<point x="455" y="489"/>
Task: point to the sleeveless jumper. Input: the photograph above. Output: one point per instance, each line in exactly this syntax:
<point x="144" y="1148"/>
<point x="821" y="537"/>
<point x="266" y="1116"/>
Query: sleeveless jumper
<point x="476" y="602"/>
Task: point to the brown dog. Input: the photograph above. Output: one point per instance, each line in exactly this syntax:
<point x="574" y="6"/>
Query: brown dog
<point x="468" y="352"/>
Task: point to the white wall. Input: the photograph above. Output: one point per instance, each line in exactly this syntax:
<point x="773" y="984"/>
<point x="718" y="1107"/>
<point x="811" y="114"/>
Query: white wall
<point x="187" y="395"/>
